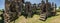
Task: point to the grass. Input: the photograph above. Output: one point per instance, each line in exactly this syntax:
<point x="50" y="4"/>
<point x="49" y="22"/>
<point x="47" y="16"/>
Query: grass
<point x="35" y="19"/>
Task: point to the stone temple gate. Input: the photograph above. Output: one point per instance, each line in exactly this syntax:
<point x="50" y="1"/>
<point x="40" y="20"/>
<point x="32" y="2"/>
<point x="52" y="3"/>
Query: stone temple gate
<point x="13" y="9"/>
<point x="47" y="9"/>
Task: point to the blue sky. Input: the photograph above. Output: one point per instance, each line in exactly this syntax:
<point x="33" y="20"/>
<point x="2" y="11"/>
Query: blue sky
<point x="32" y="1"/>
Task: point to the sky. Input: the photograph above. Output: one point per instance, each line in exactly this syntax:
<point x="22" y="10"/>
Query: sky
<point x="2" y="5"/>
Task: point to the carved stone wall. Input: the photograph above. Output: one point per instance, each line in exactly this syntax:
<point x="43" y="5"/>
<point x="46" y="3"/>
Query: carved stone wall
<point x="12" y="7"/>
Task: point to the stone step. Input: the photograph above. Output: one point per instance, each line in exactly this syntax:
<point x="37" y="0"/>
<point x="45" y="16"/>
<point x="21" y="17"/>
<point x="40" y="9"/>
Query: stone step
<point x="42" y="19"/>
<point x="42" y="16"/>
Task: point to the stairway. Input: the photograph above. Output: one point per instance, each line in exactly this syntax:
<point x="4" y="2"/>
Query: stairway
<point x="43" y="17"/>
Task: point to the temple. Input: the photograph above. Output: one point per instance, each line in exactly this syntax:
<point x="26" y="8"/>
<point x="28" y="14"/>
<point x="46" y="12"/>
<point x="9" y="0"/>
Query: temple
<point x="14" y="9"/>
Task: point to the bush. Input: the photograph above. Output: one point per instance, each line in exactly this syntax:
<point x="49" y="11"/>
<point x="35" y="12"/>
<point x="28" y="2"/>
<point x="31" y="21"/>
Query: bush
<point x="58" y="10"/>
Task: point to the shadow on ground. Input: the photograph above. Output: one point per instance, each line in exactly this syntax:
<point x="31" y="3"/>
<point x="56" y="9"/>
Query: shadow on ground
<point x="1" y="18"/>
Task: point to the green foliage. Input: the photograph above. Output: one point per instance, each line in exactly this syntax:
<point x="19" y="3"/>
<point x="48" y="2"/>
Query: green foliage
<point x="2" y="10"/>
<point x="59" y="7"/>
<point x="58" y="10"/>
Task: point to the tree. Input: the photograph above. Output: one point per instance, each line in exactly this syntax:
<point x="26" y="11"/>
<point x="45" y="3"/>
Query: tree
<point x="59" y="7"/>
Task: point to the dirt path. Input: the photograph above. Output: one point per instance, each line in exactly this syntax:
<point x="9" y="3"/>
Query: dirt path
<point x="23" y="20"/>
<point x="35" y="19"/>
<point x="56" y="20"/>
